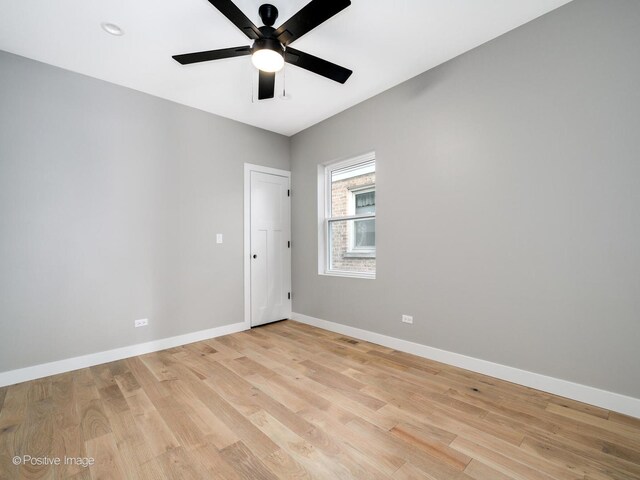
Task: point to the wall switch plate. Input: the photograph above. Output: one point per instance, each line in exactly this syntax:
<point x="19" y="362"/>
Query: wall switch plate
<point x="407" y="319"/>
<point x="143" y="322"/>
<point x="219" y="238"/>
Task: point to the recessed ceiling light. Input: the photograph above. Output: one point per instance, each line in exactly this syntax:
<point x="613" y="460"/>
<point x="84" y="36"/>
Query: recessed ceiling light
<point x="112" y="29"/>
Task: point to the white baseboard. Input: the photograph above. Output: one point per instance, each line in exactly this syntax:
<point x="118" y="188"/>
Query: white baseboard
<point x="582" y="393"/>
<point x="61" y="366"/>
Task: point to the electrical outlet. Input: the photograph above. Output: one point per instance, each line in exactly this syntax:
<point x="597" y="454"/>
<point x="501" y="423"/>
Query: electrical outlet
<point x="407" y="319"/>
<point x="143" y="322"/>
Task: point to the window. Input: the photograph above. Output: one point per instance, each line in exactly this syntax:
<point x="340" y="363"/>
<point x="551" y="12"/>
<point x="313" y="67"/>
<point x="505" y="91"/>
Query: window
<point x="363" y="237"/>
<point x="347" y="226"/>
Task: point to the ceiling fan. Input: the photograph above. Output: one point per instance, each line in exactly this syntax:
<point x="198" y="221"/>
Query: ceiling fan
<point x="270" y="49"/>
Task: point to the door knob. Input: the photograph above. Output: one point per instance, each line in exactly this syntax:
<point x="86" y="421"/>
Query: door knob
<point x="255" y="256"/>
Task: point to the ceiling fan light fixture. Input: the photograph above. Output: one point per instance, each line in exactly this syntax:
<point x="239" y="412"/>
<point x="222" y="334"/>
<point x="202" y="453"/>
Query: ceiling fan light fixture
<point x="271" y="46"/>
<point x="267" y="55"/>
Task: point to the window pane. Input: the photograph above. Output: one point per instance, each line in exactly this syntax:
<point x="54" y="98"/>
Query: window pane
<point x="365" y="202"/>
<point x="352" y="246"/>
<point x="344" y="181"/>
<point x="364" y="234"/>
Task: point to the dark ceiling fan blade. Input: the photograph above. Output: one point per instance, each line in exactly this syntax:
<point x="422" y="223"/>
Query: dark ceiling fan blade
<point x="266" y="85"/>
<point x="196" y="57"/>
<point x="308" y="18"/>
<point x="239" y="19"/>
<point x="317" y="65"/>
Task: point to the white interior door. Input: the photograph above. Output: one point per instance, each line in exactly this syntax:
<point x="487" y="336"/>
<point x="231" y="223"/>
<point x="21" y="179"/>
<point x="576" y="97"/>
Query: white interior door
<point x="270" y="252"/>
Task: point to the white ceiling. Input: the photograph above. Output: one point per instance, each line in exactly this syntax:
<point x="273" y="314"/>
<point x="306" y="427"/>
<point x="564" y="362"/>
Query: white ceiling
<point x="383" y="42"/>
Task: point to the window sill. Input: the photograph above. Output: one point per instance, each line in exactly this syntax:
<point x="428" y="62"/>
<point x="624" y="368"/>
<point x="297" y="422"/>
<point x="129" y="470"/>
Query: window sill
<point x="356" y="254"/>
<point x="366" y="276"/>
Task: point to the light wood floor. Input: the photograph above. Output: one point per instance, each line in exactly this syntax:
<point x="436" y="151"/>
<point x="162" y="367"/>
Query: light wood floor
<point x="292" y="401"/>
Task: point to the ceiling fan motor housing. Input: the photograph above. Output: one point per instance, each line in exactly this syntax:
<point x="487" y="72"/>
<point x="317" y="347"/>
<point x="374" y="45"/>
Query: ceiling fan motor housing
<point x="268" y="43"/>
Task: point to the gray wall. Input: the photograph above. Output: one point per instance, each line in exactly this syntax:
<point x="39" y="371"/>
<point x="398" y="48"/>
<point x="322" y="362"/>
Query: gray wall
<point x="508" y="190"/>
<point x="110" y="200"/>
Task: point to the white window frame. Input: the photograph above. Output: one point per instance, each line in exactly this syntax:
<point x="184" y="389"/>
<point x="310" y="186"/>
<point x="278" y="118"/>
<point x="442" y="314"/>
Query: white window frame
<point x="324" y="215"/>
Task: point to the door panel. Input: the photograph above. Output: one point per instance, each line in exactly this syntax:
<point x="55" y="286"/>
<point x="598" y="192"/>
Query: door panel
<point x="259" y="275"/>
<point x="270" y="254"/>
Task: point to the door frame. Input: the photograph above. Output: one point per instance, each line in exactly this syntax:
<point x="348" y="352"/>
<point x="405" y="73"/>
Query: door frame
<point x="248" y="168"/>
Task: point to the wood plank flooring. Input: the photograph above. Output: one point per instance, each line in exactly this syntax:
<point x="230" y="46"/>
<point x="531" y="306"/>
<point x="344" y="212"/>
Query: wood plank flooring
<point x="292" y="401"/>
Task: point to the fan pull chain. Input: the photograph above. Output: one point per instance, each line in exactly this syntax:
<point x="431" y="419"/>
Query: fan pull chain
<point x="252" y="76"/>
<point x="284" y="82"/>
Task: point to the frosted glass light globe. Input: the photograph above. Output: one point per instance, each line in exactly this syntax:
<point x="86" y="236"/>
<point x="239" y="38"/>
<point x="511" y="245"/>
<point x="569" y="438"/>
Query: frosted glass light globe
<point x="267" y="60"/>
